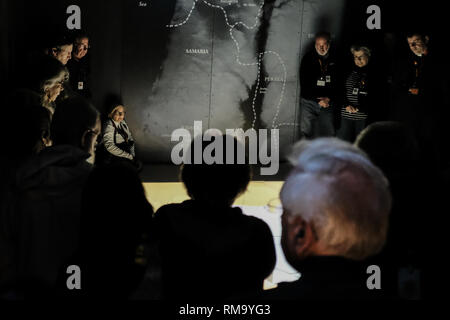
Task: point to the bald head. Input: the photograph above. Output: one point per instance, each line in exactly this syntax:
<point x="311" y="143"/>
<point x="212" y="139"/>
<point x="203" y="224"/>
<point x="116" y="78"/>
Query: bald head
<point x="340" y="195"/>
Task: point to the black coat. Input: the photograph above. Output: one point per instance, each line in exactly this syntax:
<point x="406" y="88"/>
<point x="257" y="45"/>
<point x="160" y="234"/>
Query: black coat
<point x="313" y="68"/>
<point x="211" y="252"/>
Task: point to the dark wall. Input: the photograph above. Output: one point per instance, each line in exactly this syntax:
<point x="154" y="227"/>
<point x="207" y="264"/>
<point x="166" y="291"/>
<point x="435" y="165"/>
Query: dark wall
<point x="135" y="55"/>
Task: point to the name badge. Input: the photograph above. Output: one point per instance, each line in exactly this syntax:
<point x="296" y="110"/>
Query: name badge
<point x="321" y="83"/>
<point x="355" y="91"/>
<point x="80" y="85"/>
<point x="328" y="79"/>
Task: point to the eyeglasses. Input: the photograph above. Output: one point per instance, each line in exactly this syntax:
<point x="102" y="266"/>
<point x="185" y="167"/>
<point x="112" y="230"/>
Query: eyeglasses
<point x="82" y="46"/>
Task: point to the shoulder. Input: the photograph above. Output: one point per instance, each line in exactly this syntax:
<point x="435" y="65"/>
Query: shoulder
<point x="174" y="209"/>
<point x="108" y="124"/>
<point x="308" y="56"/>
<point x="253" y="225"/>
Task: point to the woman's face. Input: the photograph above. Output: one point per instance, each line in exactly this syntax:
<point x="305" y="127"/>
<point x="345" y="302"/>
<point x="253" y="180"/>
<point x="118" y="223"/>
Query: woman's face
<point x="361" y="59"/>
<point x="119" y="114"/>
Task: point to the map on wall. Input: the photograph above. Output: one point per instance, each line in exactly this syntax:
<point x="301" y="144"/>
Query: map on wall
<point x="228" y="63"/>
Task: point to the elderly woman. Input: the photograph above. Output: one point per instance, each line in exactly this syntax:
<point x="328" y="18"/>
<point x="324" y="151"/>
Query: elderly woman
<point x="358" y="96"/>
<point x="47" y="78"/>
<point x="117" y="138"/>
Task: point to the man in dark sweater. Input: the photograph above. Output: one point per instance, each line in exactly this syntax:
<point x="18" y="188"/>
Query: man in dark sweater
<point x="79" y="66"/>
<point x="318" y="81"/>
<point x="421" y="100"/>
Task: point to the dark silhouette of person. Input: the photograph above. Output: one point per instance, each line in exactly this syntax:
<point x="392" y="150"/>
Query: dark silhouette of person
<point x="393" y="147"/>
<point x="115" y="227"/>
<point x="43" y="220"/>
<point x="209" y="249"/>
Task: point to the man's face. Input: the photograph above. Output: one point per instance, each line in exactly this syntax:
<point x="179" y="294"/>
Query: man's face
<point x="322" y="46"/>
<point x="64" y="54"/>
<point x="360" y="58"/>
<point x="91" y="143"/>
<point x="81" y="48"/>
<point x="417" y="45"/>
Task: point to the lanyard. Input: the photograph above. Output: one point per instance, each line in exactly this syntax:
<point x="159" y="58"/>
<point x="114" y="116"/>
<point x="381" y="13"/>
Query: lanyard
<point x="418" y="66"/>
<point x="323" y="68"/>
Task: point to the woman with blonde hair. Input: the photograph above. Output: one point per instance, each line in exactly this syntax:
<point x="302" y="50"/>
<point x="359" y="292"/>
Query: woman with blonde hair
<point x="47" y="80"/>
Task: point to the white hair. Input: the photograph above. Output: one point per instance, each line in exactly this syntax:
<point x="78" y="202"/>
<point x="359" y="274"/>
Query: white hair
<point x="335" y="187"/>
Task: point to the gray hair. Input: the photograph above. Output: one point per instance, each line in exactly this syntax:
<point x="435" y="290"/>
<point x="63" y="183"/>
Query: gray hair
<point x="366" y="50"/>
<point x="335" y="187"/>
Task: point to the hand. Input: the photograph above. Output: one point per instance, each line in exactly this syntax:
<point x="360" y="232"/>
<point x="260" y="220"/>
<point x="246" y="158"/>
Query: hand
<point x="351" y="109"/>
<point x="324" y="102"/>
<point x="414" y="91"/>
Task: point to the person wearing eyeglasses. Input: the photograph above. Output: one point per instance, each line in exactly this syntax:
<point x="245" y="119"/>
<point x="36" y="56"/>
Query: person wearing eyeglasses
<point x="360" y="95"/>
<point x="79" y="66"/>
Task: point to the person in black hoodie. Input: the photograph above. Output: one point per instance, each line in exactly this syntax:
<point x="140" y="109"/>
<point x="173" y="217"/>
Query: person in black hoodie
<point x="319" y="83"/>
<point x="359" y="95"/>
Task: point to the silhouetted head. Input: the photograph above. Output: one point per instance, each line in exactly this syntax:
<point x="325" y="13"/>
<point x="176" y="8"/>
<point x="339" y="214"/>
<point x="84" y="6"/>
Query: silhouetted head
<point x="335" y="203"/>
<point x="216" y="183"/>
<point x="392" y="147"/>
<point x="76" y="122"/>
<point x="28" y="125"/>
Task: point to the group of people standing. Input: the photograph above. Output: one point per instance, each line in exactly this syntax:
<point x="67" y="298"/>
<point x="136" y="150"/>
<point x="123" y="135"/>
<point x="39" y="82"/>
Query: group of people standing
<point x="335" y="102"/>
<point x="62" y="71"/>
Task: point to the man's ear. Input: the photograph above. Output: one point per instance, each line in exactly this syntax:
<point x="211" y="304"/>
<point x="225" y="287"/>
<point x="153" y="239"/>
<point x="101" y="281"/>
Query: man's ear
<point x="86" y="140"/>
<point x="304" y="238"/>
<point x="427" y="39"/>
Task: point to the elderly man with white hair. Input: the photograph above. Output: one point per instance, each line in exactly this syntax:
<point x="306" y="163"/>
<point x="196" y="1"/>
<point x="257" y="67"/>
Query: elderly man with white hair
<point x="336" y="206"/>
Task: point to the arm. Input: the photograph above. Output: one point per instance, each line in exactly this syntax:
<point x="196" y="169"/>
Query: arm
<point x="306" y="83"/>
<point x="108" y="140"/>
<point x="130" y="138"/>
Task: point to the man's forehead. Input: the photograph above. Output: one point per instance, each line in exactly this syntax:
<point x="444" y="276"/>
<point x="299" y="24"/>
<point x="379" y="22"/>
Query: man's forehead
<point x="321" y="40"/>
<point x="414" y="38"/>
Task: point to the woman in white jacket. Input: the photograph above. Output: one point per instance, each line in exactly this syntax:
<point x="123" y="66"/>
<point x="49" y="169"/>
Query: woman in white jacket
<point x="117" y="138"/>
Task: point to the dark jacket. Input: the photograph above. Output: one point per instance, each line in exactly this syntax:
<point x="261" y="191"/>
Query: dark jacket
<point x="43" y="220"/>
<point x="327" y="277"/>
<point x="315" y="68"/>
<point x="210" y="252"/>
<point x="79" y="78"/>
